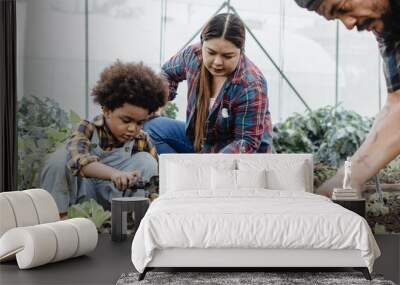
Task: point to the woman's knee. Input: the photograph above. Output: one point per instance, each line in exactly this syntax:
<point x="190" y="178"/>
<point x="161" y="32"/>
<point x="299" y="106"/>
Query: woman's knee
<point x="157" y="123"/>
<point x="161" y="128"/>
<point x="168" y="135"/>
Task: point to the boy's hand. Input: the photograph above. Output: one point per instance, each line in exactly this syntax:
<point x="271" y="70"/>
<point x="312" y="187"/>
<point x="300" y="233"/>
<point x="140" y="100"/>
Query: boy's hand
<point x="123" y="180"/>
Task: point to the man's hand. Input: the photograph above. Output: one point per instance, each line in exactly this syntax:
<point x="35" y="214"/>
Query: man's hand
<point x="336" y="181"/>
<point x="123" y="180"/>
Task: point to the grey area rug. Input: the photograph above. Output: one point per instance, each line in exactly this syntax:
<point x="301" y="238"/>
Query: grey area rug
<point x="243" y="278"/>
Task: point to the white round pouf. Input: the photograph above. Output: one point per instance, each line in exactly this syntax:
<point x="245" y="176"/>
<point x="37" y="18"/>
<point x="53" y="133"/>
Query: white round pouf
<point x="46" y="207"/>
<point x="7" y="218"/>
<point x="87" y="235"/>
<point x="31" y="232"/>
<point x="33" y="246"/>
<point x="67" y="240"/>
<point x="23" y="208"/>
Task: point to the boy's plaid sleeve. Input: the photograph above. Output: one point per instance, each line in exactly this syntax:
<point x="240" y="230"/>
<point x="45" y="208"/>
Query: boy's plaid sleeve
<point x="78" y="148"/>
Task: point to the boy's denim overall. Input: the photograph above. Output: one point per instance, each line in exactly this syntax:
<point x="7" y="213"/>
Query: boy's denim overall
<point x="67" y="189"/>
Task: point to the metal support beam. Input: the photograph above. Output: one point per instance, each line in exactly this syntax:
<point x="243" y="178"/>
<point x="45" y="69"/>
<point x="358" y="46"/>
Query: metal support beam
<point x="274" y="63"/>
<point x="231" y="8"/>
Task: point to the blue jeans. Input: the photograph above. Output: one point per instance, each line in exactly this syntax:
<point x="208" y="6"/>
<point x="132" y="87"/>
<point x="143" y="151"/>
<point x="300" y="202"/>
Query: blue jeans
<point x="168" y="135"/>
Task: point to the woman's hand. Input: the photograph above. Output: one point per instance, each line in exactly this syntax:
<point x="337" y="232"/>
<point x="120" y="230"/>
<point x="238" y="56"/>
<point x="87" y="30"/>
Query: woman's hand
<point x="123" y="179"/>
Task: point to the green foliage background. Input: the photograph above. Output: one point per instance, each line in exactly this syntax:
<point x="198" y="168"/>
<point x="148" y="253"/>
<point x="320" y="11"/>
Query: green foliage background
<point x="170" y="110"/>
<point x="42" y="126"/>
<point x="330" y="133"/>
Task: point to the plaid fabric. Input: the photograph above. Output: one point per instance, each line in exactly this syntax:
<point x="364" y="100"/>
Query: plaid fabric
<point x="239" y="121"/>
<point x="390" y="51"/>
<point x="80" y="145"/>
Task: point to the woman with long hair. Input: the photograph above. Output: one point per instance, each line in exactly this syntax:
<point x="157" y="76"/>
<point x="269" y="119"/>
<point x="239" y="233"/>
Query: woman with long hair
<point x="227" y="99"/>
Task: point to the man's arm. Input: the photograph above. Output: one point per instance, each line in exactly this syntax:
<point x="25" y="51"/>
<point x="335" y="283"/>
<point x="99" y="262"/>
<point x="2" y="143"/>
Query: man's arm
<point x="381" y="146"/>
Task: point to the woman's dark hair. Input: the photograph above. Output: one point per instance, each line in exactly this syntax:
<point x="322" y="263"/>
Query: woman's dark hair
<point x="132" y="83"/>
<point x="226" y="26"/>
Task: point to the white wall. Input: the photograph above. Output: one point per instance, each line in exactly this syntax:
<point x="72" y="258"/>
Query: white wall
<point x="51" y="51"/>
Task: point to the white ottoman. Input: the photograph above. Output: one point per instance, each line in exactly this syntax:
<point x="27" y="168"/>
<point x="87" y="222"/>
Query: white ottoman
<point x="31" y="232"/>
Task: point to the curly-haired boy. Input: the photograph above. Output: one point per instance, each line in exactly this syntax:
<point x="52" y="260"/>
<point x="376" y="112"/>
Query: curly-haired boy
<point x="106" y="156"/>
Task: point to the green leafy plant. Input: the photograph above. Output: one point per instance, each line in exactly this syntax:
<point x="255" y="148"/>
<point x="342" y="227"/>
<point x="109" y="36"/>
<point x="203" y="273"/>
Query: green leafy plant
<point x="390" y="174"/>
<point x="323" y="172"/>
<point x="170" y="110"/>
<point x="42" y="126"/>
<point x="330" y="133"/>
<point x="344" y="135"/>
<point x="384" y="216"/>
<point x="91" y="210"/>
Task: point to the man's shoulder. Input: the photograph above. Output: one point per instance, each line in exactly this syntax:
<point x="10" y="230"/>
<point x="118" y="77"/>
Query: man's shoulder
<point x="389" y="46"/>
